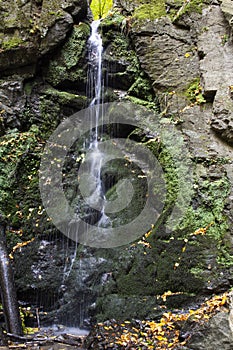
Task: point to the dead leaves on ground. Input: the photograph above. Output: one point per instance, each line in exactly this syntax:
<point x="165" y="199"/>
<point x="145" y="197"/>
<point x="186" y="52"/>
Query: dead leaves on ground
<point x="161" y="335"/>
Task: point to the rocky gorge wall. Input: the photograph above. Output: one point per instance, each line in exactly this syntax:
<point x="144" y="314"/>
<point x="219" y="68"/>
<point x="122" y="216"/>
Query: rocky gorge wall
<point x="173" y="57"/>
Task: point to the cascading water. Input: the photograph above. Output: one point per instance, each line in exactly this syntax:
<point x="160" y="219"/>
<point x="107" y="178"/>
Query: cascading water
<point x="74" y="280"/>
<point x="95" y="88"/>
<point x="73" y="264"/>
<point x="95" y="82"/>
<point x="77" y="273"/>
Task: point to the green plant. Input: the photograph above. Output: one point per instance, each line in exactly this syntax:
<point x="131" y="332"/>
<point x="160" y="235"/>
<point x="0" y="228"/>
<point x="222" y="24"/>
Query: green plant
<point x="225" y="39"/>
<point x="194" y="92"/>
<point x="100" y="8"/>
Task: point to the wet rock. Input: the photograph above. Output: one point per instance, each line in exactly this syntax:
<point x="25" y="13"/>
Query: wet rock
<point x="77" y="8"/>
<point x="60" y="279"/>
<point x="222" y="120"/>
<point x="56" y="34"/>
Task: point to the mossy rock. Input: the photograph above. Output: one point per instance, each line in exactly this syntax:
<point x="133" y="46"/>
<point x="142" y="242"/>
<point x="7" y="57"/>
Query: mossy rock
<point x="31" y="29"/>
<point x="65" y="98"/>
<point x="121" y="308"/>
<point x="150" y="11"/>
<point x="67" y="66"/>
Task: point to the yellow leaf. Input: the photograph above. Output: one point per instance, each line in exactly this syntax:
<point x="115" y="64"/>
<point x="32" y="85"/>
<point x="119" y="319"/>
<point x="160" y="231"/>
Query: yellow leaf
<point x="160" y="338"/>
<point x="187" y="55"/>
<point x="192" y="312"/>
<point x="223" y="301"/>
<point x="107" y="328"/>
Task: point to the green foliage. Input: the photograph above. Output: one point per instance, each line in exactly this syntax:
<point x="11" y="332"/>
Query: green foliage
<point x="100" y="8"/>
<point x="19" y="192"/>
<point x="194" y="92"/>
<point x="113" y="20"/>
<point x="13" y="147"/>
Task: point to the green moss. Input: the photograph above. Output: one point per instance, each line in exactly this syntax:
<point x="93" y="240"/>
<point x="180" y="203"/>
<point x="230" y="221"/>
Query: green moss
<point x="20" y="157"/>
<point x="51" y="9"/>
<point x="114" y="19"/>
<point x="121" y="48"/>
<point x="66" y="98"/>
<point x="11" y="43"/>
<point x="142" y="89"/>
<point x="145" y="103"/>
<point x="211" y="198"/>
<point x="66" y="65"/>
<point x="194" y="6"/>
<point x="50" y="115"/>
<point x="153" y="10"/>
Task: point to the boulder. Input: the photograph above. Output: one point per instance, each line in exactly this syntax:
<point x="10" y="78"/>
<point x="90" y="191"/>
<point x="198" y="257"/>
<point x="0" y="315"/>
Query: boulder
<point x="216" y="334"/>
<point x="31" y="29"/>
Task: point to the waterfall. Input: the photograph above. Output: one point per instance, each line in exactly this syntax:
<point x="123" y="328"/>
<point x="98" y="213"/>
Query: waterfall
<point x="94" y="81"/>
<point x="71" y="300"/>
<point x="94" y="207"/>
<point x="95" y="88"/>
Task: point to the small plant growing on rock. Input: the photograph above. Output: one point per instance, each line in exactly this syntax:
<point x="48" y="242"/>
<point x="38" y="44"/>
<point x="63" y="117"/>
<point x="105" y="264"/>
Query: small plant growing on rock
<point x="194" y="92"/>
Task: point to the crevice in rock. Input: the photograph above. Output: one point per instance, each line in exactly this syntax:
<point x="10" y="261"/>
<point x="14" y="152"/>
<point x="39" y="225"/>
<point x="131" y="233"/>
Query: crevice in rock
<point x="201" y="54"/>
<point x="210" y="95"/>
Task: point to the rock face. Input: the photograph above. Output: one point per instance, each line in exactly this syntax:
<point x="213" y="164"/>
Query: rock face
<point x="175" y="52"/>
<point x="30" y="29"/>
<point x="217" y="333"/>
<point x="172" y="57"/>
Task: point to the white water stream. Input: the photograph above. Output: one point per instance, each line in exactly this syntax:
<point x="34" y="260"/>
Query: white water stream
<point x="95" y="85"/>
<point x="95" y="198"/>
